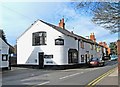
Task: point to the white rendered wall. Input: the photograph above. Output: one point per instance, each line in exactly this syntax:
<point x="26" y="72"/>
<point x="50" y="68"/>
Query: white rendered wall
<point x="26" y="53"/>
<point x="83" y="51"/>
<point x="4" y="50"/>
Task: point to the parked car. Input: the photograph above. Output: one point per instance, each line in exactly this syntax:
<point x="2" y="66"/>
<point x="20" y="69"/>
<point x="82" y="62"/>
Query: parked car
<point x="113" y="57"/>
<point x="106" y="57"/>
<point x="96" y="62"/>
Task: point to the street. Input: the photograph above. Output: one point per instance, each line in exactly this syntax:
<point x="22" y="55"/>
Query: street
<point x="79" y="76"/>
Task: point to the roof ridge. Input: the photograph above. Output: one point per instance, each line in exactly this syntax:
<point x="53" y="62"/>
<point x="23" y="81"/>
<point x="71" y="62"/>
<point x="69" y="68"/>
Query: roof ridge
<point x="67" y="31"/>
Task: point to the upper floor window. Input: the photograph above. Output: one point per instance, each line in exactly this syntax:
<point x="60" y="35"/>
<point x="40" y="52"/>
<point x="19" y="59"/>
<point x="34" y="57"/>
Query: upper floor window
<point x="91" y="46"/>
<point x="95" y="47"/>
<point x="39" y="38"/>
<point x="98" y="49"/>
<point x="59" y="41"/>
<point x="82" y="44"/>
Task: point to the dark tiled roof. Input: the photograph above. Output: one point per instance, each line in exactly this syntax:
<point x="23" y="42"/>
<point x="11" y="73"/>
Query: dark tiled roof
<point x="68" y="33"/>
<point x="64" y="31"/>
<point x="10" y="46"/>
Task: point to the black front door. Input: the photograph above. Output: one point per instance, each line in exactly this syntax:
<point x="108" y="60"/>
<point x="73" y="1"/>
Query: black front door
<point x="86" y="58"/>
<point x="41" y="60"/>
<point x="70" y="57"/>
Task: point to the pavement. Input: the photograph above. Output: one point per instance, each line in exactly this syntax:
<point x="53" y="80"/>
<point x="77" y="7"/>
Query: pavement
<point x="111" y="79"/>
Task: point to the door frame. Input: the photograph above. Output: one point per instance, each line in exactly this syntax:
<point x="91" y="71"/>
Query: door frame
<point x="86" y="58"/>
<point x="70" y="56"/>
<point x="41" y="60"/>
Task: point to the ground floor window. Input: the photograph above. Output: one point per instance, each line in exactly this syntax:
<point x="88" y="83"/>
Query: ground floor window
<point x="91" y="56"/>
<point x="48" y="56"/>
<point x="72" y="56"/>
<point x="82" y="58"/>
<point x="4" y="57"/>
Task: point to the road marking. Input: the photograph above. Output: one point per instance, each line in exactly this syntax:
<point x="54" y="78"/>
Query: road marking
<point x="94" y="69"/>
<point x="102" y="76"/>
<point x="81" y="72"/>
<point x="44" y="83"/>
<point x="69" y="76"/>
<point x="69" y="70"/>
<point x="95" y="81"/>
<point x="40" y="84"/>
<point x="72" y="70"/>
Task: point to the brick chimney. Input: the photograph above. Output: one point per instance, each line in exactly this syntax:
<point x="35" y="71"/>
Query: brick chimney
<point x="92" y="37"/>
<point x="103" y="44"/>
<point x="62" y="24"/>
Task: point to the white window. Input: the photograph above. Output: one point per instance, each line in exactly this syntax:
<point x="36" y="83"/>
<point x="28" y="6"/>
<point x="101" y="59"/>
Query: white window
<point x="4" y="57"/>
<point x="39" y="38"/>
<point x="82" y="58"/>
<point x="48" y="56"/>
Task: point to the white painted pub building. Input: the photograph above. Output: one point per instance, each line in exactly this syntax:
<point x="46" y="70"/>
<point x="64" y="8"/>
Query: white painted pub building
<point x="46" y="44"/>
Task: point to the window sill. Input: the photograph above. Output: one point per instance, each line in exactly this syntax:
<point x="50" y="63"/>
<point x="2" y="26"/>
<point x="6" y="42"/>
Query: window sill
<point x="40" y="45"/>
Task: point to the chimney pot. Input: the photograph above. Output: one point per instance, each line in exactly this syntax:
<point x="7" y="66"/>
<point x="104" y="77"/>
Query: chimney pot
<point x="92" y="37"/>
<point x="62" y="24"/>
<point x="72" y="32"/>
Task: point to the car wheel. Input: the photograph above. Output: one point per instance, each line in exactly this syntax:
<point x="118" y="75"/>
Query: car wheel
<point x="103" y="64"/>
<point x="99" y="64"/>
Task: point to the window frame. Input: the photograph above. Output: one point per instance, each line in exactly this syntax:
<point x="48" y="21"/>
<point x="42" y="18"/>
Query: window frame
<point x="82" y="44"/>
<point x="48" y="56"/>
<point x="41" y="39"/>
<point x="91" y="46"/>
<point x="5" y="56"/>
<point x="82" y="58"/>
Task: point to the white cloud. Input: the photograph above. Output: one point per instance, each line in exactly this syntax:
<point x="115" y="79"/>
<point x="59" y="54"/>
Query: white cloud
<point x="82" y="25"/>
<point x="18" y="17"/>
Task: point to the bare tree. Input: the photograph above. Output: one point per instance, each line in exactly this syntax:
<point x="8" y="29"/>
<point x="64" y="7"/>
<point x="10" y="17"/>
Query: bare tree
<point x="105" y="14"/>
<point x="2" y="35"/>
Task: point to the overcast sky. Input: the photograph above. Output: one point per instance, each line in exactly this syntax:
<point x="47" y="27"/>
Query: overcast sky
<point x="17" y="17"/>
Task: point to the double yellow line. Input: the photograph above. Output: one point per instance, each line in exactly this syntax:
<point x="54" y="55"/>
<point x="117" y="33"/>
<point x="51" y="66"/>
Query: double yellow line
<point x="95" y="81"/>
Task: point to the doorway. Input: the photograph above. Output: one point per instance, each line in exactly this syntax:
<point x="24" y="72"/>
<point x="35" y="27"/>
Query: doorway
<point x="41" y="60"/>
<point x="86" y="58"/>
<point x="72" y="56"/>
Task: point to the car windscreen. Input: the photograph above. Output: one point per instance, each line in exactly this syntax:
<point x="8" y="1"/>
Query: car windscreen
<point x="94" y="59"/>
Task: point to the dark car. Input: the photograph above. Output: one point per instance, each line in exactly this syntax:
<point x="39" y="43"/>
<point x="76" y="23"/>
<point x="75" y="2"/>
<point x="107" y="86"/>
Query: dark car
<point x="106" y="57"/>
<point x="96" y="62"/>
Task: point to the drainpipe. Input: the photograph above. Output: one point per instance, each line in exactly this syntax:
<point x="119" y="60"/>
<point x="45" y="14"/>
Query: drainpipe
<point x="78" y="49"/>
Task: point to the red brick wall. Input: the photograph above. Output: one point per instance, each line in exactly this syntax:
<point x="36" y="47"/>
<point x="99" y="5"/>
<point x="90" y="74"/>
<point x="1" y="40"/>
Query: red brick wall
<point x="118" y="50"/>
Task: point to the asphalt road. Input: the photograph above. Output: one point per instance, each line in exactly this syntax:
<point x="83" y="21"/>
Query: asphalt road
<point x="30" y="77"/>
